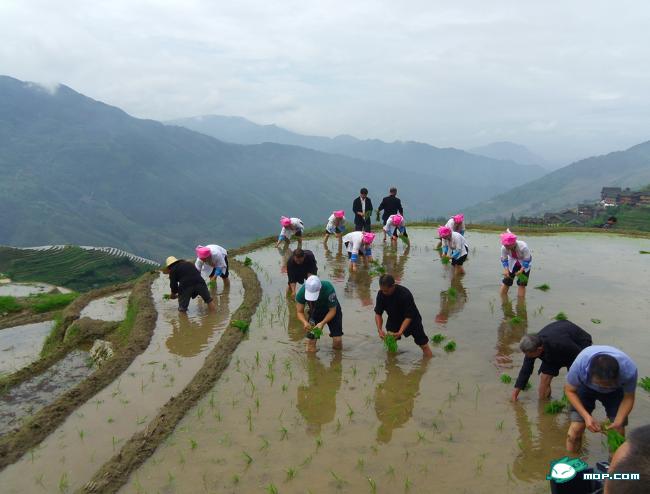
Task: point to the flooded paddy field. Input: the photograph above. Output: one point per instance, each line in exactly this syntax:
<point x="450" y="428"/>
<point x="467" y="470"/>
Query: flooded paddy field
<point x="95" y="431"/>
<point x="27" y="289"/>
<point x="361" y="420"/>
<point x="21" y="345"/>
<point x="110" y="308"/>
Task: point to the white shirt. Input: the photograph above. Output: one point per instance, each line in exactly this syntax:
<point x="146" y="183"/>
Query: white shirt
<point x="389" y="226"/>
<point x="331" y="222"/>
<point x="296" y="225"/>
<point x="521" y="254"/>
<point x="217" y="258"/>
<point x="456" y="243"/>
<point x="454" y="227"/>
<point x="353" y="241"/>
<point x="363" y="205"/>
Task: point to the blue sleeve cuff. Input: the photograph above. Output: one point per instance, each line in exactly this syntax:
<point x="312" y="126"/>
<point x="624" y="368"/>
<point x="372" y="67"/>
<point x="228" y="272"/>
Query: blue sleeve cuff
<point x="455" y="254"/>
<point x="445" y="249"/>
<point x="504" y="263"/>
<point x="525" y="264"/>
<point x="281" y="237"/>
<point x="354" y="258"/>
<point x="368" y="252"/>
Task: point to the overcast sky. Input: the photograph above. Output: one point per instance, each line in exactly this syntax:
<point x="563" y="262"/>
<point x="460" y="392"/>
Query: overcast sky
<point x="567" y="79"/>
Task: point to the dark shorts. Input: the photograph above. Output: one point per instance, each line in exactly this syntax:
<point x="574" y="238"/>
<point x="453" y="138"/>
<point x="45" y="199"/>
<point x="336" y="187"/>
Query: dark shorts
<point x="335" y="230"/>
<point x="460" y="261"/>
<point x="611" y="402"/>
<point x="398" y="230"/>
<point x="222" y="275"/>
<point x="298" y="233"/>
<point x="510" y="279"/>
<point x="335" y="325"/>
<point x="417" y="333"/>
<point x="362" y="253"/>
<point x="184" y="296"/>
<point x="298" y="275"/>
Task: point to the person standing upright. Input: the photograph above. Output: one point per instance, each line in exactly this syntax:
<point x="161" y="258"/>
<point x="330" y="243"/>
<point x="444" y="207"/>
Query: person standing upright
<point x="390" y="205"/>
<point x="362" y="209"/>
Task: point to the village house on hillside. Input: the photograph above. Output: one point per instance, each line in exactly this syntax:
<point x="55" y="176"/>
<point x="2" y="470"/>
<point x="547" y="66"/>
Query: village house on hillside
<point x="615" y="196"/>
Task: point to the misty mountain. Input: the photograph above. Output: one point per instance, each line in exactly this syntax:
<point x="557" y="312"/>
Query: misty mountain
<point x="75" y="170"/>
<point x="505" y="150"/>
<point x="453" y="165"/>
<point x="566" y="187"/>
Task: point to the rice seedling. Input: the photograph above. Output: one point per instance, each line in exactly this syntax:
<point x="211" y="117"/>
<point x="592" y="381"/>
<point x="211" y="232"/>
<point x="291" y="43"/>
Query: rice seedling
<point x="235" y="479"/>
<point x="407" y="484"/>
<point x="516" y="320"/>
<point x="421" y="437"/>
<point x="271" y="489"/>
<point x="39" y="481"/>
<point x="240" y="325"/>
<point x="437" y="338"/>
<point x="315" y="333"/>
<point x="291" y="473"/>
<point x="645" y="383"/>
<point x="506" y="379"/>
<point x="339" y="481"/>
<point x="307" y="461"/>
<point x="614" y="439"/>
<point x="284" y="388"/>
<point x="596" y="321"/>
<point x="560" y="316"/>
<point x="452" y="293"/>
<point x="350" y="411"/>
<point x="319" y="442"/>
<point x="390" y="471"/>
<point x="554" y="407"/>
<point x="64" y="484"/>
<point x="477" y="392"/>
<point x="491" y="304"/>
<point x="500" y="426"/>
<point x="544" y="287"/>
<point x="445" y="260"/>
<point x="644" y="252"/>
<point x="509" y="473"/>
<point x="249" y="418"/>
<point x="361" y="464"/>
<point x="354" y="370"/>
<point x="527" y="386"/>
<point x="450" y="437"/>
<point x="193" y="444"/>
<point x="284" y="433"/>
<point x="373" y="485"/>
<point x="450" y="347"/>
<point x="338" y="425"/>
<point x="522" y="278"/>
<point x="81" y="434"/>
<point x="248" y="458"/>
<point x="390" y="343"/>
<point x="166" y="296"/>
<point x="248" y="261"/>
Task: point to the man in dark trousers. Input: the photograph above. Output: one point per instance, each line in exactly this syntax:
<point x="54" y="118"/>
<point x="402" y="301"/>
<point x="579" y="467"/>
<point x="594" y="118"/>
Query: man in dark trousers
<point x="557" y="345"/>
<point x="390" y="204"/>
<point x="362" y="209"/>
<point x="300" y="266"/>
<point x="404" y="318"/>
<point x="185" y="282"/>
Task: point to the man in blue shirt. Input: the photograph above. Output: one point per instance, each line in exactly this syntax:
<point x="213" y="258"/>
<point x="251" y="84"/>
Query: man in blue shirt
<point x="602" y="373"/>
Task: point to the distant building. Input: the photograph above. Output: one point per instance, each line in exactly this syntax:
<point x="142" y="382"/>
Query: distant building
<point x="626" y="198"/>
<point x="609" y="195"/>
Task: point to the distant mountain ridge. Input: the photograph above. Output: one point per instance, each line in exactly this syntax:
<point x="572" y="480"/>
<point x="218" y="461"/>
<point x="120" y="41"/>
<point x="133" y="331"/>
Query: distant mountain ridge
<point x="566" y="187"/>
<point x="505" y="150"/>
<point x="452" y="165"/>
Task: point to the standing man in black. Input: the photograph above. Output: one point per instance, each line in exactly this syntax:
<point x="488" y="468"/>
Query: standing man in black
<point x="390" y="205"/>
<point x="362" y="209"/>
<point x="557" y="345"/>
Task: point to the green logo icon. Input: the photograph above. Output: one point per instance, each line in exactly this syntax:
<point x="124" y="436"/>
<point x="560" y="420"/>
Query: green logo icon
<point x="565" y="469"/>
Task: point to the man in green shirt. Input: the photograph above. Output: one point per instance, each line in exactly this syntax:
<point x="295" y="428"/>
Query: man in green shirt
<point x="324" y="308"/>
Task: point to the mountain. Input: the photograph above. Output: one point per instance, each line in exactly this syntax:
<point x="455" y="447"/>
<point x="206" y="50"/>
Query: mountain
<point x="463" y="169"/>
<point x="78" y="171"/>
<point x="505" y="150"/>
<point x="579" y="181"/>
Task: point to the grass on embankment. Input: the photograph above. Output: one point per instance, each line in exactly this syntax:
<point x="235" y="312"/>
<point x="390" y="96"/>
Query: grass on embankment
<point x="36" y="304"/>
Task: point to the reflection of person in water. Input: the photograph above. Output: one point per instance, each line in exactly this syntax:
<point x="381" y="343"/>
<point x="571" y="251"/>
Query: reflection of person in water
<point x="358" y="285"/>
<point x="395" y="264"/>
<point x="452" y="302"/>
<point x="395" y="397"/>
<point x="511" y="329"/>
<point x="317" y="401"/>
<point x="539" y="443"/>
<point x="191" y="336"/>
<point x="338" y="262"/>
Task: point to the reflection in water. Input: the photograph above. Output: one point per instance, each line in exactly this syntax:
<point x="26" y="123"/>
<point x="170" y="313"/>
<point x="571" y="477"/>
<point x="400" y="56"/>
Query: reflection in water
<point x="338" y="262"/>
<point x="511" y="329"/>
<point x="285" y="254"/>
<point x="538" y="448"/>
<point x="190" y="336"/>
<point x="294" y="326"/>
<point x="395" y="264"/>
<point x="395" y="397"/>
<point x="358" y="285"/>
<point x="317" y="400"/>
<point x="452" y="304"/>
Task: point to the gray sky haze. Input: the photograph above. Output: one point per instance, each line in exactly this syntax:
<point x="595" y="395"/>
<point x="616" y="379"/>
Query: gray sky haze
<point x="567" y="79"/>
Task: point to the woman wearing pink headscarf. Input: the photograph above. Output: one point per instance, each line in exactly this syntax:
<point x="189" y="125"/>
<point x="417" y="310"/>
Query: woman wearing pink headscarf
<point x="212" y="261"/>
<point x="358" y="244"/>
<point x="395" y="227"/>
<point x="335" y="225"/>
<point x="457" y="223"/>
<point x="516" y="260"/>
<point x="290" y="227"/>
<point x="454" y="247"/>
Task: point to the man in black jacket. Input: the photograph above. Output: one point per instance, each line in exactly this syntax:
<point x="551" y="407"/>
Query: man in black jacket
<point x="300" y="266"/>
<point x="557" y="345"/>
<point x="390" y="205"/>
<point x="362" y="209"/>
<point x="186" y="283"/>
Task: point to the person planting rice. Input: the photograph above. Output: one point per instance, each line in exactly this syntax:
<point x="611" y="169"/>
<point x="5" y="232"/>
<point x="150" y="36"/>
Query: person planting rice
<point x="516" y="260"/>
<point x="186" y="283"/>
<point x="358" y="244"/>
<point x="212" y="261"/>
<point x="602" y="373"/>
<point x="362" y="209"/>
<point x="300" y="266"/>
<point x="394" y="227"/>
<point x="454" y="247"/>
<point x="290" y="227"/>
<point x="390" y="205"/>
<point x="404" y="319"/>
<point x="457" y="223"/>
<point x="557" y="345"/>
<point x="324" y="308"/>
<point x="335" y="225"/>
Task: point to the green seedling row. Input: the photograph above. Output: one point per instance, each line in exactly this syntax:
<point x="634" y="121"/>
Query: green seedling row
<point x="390" y="343"/>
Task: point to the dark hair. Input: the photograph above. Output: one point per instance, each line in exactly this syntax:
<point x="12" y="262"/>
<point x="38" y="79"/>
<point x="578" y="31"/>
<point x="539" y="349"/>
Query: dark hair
<point x="386" y="280"/>
<point x="637" y="460"/>
<point x="393" y="190"/>
<point x="363" y="191"/>
<point x="299" y="253"/>
<point x="612" y="219"/>
<point x="604" y="367"/>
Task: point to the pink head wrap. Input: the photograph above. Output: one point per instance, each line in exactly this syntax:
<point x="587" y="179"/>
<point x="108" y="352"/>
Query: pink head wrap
<point x="508" y="239"/>
<point x="339" y="214"/>
<point x="459" y="218"/>
<point x="444" y="231"/>
<point x="203" y="252"/>
<point x="368" y="237"/>
<point x="397" y="219"/>
<point x="284" y="221"/>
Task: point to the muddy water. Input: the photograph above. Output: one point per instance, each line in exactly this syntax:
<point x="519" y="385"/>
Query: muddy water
<point x="111" y="308"/>
<point x="91" y="435"/>
<point x="26" y="289"/>
<point x="360" y="417"/>
<point x="21" y="345"/>
<point x="30" y="396"/>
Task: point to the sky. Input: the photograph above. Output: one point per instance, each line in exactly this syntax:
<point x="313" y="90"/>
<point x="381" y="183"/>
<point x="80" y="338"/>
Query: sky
<point x="566" y="79"/>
